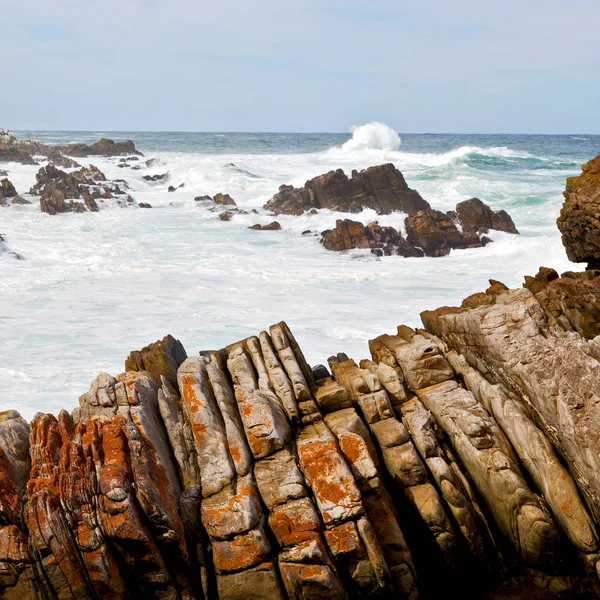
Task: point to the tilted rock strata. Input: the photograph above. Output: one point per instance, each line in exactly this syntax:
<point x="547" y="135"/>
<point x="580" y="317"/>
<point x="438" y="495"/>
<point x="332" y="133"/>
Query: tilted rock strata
<point x="381" y="188"/>
<point x="450" y="460"/>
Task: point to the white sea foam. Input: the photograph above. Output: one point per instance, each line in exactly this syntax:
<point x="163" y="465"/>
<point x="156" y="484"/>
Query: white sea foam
<point x="95" y="286"/>
<point x="373" y="136"/>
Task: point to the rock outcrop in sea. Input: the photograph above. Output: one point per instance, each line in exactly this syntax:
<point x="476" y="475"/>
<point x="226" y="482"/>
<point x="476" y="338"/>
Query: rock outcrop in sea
<point x="79" y="191"/>
<point x="26" y="151"/>
<point x="461" y="459"/>
<point x="429" y="232"/>
<point x="382" y="188"/>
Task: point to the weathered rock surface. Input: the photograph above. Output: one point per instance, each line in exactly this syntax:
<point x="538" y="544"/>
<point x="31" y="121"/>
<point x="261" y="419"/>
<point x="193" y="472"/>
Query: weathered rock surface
<point x="382" y="188"/>
<point x="579" y="220"/>
<point x="79" y="191"/>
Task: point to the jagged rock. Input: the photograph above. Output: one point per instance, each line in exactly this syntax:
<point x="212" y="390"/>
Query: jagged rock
<point x="7" y="189"/>
<point x="349" y="235"/>
<point x="579" y="220"/>
<point x="382" y="188"/>
<point x="19" y="200"/>
<point x="572" y="301"/>
<point x="84" y="189"/>
<point x="436" y="234"/>
<point x="475" y="216"/>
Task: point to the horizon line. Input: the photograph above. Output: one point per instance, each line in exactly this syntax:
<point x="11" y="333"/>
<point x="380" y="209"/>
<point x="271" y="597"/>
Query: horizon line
<point x="99" y="131"/>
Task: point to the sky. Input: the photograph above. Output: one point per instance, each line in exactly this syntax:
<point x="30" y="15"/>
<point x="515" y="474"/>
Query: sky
<point x="516" y="66"/>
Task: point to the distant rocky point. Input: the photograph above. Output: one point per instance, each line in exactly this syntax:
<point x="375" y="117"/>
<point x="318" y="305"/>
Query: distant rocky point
<point x="25" y="151"/>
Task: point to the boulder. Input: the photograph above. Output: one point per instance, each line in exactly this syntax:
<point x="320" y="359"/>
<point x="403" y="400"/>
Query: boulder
<point x="349" y="235"/>
<point x="436" y="234"/>
<point x="579" y="220"/>
<point x="381" y="188"/>
<point x="274" y="226"/>
<point x="475" y="216"/>
<point x="223" y="199"/>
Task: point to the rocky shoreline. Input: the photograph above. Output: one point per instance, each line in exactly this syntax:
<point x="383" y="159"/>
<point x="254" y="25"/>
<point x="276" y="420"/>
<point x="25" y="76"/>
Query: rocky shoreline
<point x="460" y="459"/>
<point x="381" y="188"/>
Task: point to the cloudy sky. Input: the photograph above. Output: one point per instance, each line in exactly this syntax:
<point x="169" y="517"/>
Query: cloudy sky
<point x="301" y="65"/>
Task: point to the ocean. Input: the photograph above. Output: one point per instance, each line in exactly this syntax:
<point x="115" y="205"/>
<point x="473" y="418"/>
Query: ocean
<point x="94" y="286"/>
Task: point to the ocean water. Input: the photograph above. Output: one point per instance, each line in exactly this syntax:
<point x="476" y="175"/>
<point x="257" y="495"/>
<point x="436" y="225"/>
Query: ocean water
<point x="92" y="287"/>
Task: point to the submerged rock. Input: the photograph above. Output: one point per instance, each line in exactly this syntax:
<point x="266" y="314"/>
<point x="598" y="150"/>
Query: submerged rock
<point x="381" y="188"/>
<point x="274" y="226"/>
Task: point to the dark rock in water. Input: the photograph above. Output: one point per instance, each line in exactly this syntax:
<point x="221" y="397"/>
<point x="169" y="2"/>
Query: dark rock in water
<point x="3" y="173"/>
<point x="224" y="199"/>
<point x="579" y="220"/>
<point x="274" y="226"/>
<point x="58" y="159"/>
<point x="203" y="199"/>
<point x="381" y="188"/>
<point x="87" y="186"/>
<point x="307" y="232"/>
<point x="23" y="151"/>
<point x="158" y="177"/>
<point x="171" y="188"/>
<point x="103" y="147"/>
<point x="350" y="235"/>
<point x="226" y="215"/>
<point x="436" y="233"/>
<point x="7" y="189"/>
<point x="475" y="216"/>
<point x="144" y="205"/>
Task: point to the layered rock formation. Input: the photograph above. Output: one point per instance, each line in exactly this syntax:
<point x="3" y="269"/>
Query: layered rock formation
<point x="26" y="151"/>
<point x="579" y="220"/>
<point x="453" y="459"/>
<point x="429" y="232"/>
<point x="382" y="188"/>
<point x="80" y="191"/>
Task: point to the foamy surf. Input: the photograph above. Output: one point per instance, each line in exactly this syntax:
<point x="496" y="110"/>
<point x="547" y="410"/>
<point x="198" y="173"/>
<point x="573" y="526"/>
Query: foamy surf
<point x="94" y="286"/>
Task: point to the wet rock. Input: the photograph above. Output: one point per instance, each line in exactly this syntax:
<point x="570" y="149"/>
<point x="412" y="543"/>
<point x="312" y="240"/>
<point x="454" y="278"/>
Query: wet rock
<point x="349" y="235"/>
<point x="436" y="234"/>
<point x="145" y="205"/>
<point x="224" y="200"/>
<point x="475" y="216"/>
<point x="80" y="191"/>
<point x="381" y="188"/>
<point x="7" y="189"/>
<point x="274" y="226"/>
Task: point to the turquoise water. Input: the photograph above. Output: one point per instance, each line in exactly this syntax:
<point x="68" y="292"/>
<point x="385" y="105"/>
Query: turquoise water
<point x="94" y="286"/>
